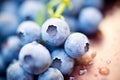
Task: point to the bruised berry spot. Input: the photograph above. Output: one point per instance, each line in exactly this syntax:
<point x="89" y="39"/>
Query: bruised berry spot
<point x="52" y="30"/>
<point x="86" y="47"/>
<point x="56" y="63"/>
<point x="28" y="59"/>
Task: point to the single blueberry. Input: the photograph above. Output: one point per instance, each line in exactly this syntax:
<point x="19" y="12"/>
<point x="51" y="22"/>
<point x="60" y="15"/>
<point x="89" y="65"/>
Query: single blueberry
<point x="51" y="74"/>
<point x="54" y="31"/>
<point x="34" y="58"/>
<point x="28" y="31"/>
<point x="16" y="72"/>
<point x="89" y="20"/>
<point x="76" y="45"/>
<point x="62" y="61"/>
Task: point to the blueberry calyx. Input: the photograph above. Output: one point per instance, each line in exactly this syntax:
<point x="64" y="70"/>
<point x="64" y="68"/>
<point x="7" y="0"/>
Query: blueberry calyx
<point x="52" y="30"/>
<point x="28" y="59"/>
<point x="56" y="63"/>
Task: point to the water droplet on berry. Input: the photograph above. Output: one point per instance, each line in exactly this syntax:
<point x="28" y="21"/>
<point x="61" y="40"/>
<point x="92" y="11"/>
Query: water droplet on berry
<point x="104" y="71"/>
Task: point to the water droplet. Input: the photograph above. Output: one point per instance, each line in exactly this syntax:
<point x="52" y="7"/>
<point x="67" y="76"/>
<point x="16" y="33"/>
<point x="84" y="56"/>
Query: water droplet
<point x="104" y="71"/>
<point x="71" y="78"/>
<point x="82" y="72"/>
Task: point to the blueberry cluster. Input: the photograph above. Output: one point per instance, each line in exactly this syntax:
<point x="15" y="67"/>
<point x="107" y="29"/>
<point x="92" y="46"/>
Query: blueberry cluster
<point x="34" y="46"/>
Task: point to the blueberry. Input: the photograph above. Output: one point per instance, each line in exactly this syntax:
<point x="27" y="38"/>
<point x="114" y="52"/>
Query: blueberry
<point x="51" y="74"/>
<point x="62" y="61"/>
<point x="8" y="24"/>
<point x="89" y="20"/>
<point x="28" y="31"/>
<point x="11" y="48"/>
<point x="16" y="72"/>
<point x="34" y="58"/>
<point x="76" y="45"/>
<point x="94" y="3"/>
<point x="29" y="9"/>
<point x="55" y="31"/>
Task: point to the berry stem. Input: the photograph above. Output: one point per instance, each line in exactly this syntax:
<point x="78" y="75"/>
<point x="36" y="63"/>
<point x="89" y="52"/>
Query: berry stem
<point x="58" y="13"/>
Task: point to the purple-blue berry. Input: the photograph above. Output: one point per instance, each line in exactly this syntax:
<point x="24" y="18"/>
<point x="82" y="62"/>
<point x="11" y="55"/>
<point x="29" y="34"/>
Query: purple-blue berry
<point x="62" y="61"/>
<point x="29" y="31"/>
<point x="51" y="74"/>
<point x="55" y="31"/>
<point x="34" y="58"/>
<point x="16" y="72"/>
<point x="76" y="45"/>
<point x="89" y="20"/>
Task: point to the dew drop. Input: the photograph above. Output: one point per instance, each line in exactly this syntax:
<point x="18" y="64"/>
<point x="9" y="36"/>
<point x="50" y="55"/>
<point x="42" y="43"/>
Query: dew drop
<point x="82" y="72"/>
<point x="104" y="71"/>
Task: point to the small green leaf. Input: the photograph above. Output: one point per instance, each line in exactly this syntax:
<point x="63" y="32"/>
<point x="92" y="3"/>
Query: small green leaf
<point x="40" y="18"/>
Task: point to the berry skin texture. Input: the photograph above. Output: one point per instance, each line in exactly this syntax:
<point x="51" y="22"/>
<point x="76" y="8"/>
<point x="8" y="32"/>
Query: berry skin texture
<point x="62" y="61"/>
<point x="76" y="45"/>
<point x="16" y="72"/>
<point x="89" y="20"/>
<point x="34" y="58"/>
<point x="51" y="74"/>
<point x="28" y="31"/>
<point x="55" y="31"/>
